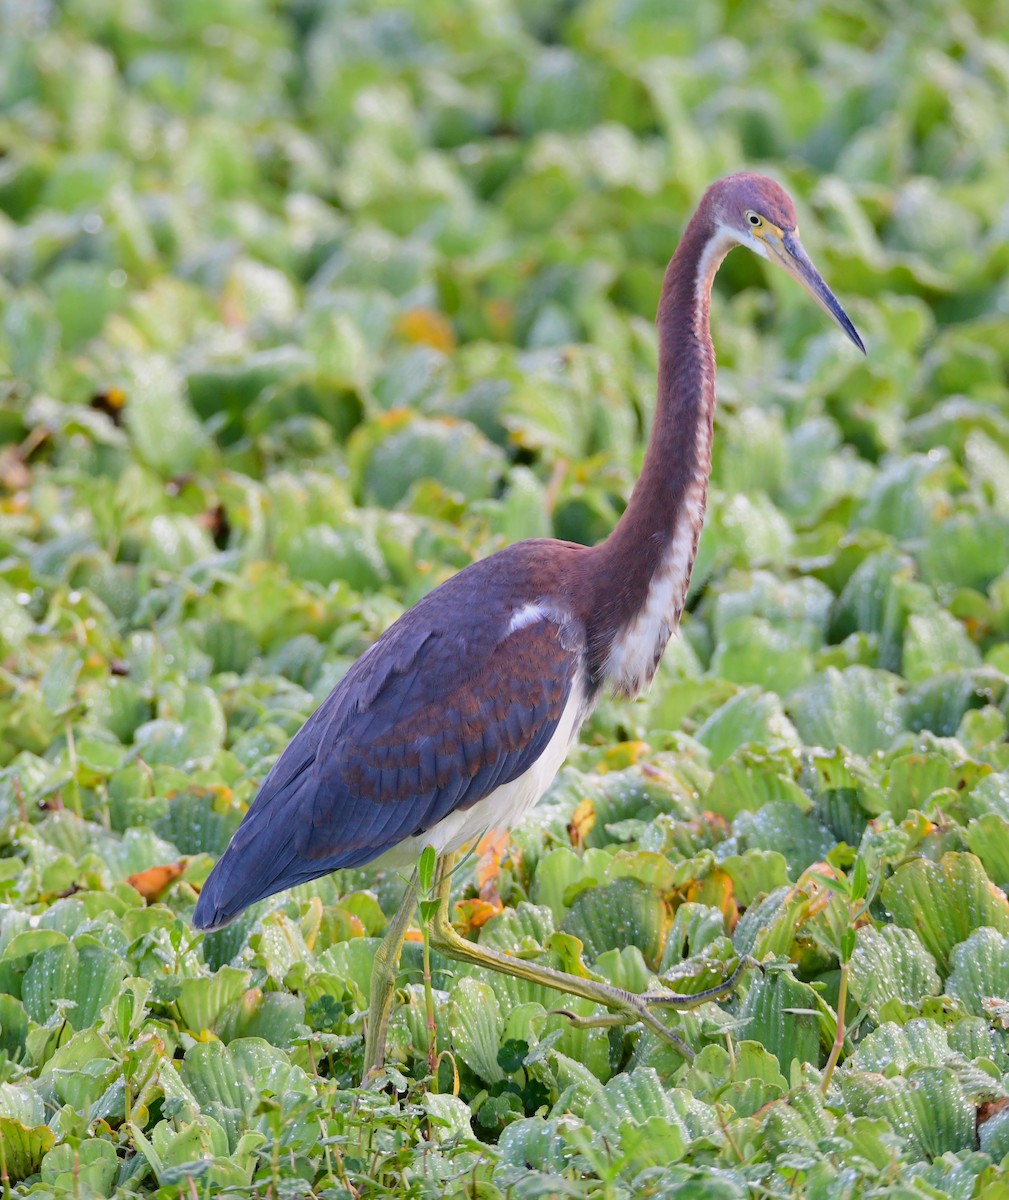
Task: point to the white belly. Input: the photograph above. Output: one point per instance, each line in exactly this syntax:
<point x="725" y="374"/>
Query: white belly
<point x="507" y="804"/>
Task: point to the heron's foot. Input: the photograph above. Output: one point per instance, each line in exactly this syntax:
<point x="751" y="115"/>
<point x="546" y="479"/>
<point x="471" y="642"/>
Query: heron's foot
<point x="608" y="1020"/>
<point x="632" y="1015"/>
<point x="632" y="1008"/>
<point x="693" y="999"/>
<point x="626" y="1008"/>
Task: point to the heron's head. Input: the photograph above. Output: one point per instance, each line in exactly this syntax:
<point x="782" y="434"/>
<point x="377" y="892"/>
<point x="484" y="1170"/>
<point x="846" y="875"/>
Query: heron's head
<point x="757" y="212"/>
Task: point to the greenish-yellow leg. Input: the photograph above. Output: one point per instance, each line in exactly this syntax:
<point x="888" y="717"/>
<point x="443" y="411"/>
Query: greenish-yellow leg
<point x="628" y="1007"/>
<point x="383" y="981"/>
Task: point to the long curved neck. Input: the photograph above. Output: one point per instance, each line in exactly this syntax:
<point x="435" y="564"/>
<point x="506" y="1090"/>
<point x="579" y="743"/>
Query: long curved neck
<point x="643" y="569"/>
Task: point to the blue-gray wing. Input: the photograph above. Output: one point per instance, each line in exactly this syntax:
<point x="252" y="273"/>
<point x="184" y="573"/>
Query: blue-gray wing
<point x="428" y="721"/>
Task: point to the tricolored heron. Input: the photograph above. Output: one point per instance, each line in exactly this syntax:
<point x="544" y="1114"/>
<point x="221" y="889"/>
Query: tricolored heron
<point x="457" y="719"/>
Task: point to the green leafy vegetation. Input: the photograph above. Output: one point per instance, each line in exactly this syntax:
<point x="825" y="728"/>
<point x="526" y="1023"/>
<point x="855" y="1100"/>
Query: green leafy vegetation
<point x="305" y="306"/>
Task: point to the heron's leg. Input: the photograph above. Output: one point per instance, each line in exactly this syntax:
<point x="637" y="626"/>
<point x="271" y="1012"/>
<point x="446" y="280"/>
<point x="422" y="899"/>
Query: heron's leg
<point x="631" y="1006"/>
<point x="383" y="981"/>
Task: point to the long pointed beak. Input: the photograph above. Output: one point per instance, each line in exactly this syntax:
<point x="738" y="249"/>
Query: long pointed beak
<point x="789" y="253"/>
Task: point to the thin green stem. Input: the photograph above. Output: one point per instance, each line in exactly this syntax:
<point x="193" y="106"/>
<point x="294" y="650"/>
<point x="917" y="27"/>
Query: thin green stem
<point x="75" y="787"/>
<point x="432" y="1029"/>
<point x="835" y="1050"/>
<point x="383" y="981"/>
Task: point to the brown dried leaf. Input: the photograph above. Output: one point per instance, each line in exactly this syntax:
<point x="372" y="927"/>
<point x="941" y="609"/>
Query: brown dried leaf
<point x="152" y="882"/>
<point x="471" y="914"/>
<point x="989" y="1109"/>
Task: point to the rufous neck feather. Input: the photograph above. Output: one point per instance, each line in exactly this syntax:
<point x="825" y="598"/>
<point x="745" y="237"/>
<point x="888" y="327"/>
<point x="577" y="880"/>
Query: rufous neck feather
<point x="646" y="562"/>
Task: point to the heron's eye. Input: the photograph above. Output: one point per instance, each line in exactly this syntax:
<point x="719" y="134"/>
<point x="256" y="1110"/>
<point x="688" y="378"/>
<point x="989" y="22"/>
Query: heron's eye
<point x="755" y="219"/>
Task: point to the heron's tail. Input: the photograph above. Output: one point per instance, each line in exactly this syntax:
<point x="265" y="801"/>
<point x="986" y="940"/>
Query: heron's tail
<point x="262" y="858"/>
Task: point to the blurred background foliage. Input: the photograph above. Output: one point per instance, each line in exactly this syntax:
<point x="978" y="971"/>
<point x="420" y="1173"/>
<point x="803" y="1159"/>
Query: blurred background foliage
<point x="303" y="306"/>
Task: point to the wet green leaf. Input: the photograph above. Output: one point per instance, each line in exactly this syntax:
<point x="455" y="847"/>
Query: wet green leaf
<point x="476" y="1025"/>
<point x="894" y="1049"/>
<point x="993" y="1136"/>
<point x="454" y="453"/>
<point x="24" y="1147"/>
<point x="751" y="778"/>
<point x="988" y="838"/>
<point x="524" y="927"/>
<point x="927" y="1110"/>
<point x="276" y="1017"/>
<point x="787" y="1017"/>
<point x="94" y="1166"/>
<point x="82" y="972"/>
<point x="746" y="1079"/>
<point x="890" y="963"/>
<point x="755" y="873"/>
<point x="232" y="1076"/>
<point x="937" y="642"/>
<point x="857" y="708"/>
<point x="163" y="426"/>
<point x="750" y="716"/>
<point x="979" y="969"/>
<point x="912" y="778"/>
<point x="943" y="902"/>
<point x="625" y="913"/>
<point x="782" y="828"/>
<point x="202" y="1000"/>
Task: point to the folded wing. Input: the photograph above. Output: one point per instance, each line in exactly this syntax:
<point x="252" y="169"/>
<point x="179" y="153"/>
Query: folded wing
<point x="430" y="720"/>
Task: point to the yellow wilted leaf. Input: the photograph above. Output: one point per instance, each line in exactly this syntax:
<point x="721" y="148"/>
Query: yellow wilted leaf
<point x="311" y="921"/>
<point x="625" y="754"/>
<point x="569" y="950"/>
<point x="582" y="820"/>
<point x="395" y="418"/>
<point x="427" y="327"/>
<point x="343" y="925"/>
<point x="716" y="889"/>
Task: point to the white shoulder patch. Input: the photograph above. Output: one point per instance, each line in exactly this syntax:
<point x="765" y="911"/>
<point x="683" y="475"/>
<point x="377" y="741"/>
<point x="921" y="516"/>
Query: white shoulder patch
<point x="528" y="614"/>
